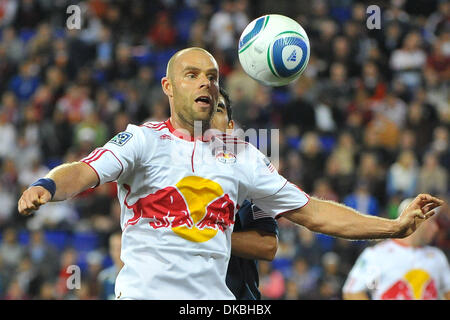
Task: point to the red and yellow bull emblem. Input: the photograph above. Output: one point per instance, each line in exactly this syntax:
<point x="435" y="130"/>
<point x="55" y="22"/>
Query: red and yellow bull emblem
<point x="416" y="284"/>
<point x="226" y="157"/>
<point x="195" y="209"/>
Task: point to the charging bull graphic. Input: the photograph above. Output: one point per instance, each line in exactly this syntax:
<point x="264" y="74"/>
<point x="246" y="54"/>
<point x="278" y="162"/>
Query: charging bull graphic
<point x="415" y="285"/>
<point x="195" y="209"/>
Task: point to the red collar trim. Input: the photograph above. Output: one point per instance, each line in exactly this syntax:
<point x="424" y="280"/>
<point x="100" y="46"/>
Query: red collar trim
<point x="181" y="133"/>
<point x="403" y="244"/>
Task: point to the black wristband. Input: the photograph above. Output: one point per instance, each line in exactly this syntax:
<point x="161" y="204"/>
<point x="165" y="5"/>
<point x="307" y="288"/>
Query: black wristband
<point x="46" y="183"/>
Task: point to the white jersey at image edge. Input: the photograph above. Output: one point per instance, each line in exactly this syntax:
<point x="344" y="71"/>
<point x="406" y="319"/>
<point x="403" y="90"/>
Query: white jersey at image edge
<point x="391" y="270"/>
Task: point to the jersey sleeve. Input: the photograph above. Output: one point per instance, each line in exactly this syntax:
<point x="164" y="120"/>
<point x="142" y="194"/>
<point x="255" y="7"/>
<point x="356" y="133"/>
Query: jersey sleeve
<point x="270" y="191"/>
<point x="362" y="276"/>
<point x="118" y="156"/>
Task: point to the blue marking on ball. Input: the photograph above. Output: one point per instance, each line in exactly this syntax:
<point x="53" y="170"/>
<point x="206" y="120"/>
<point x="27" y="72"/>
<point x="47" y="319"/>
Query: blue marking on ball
<point x="277" y="55"/>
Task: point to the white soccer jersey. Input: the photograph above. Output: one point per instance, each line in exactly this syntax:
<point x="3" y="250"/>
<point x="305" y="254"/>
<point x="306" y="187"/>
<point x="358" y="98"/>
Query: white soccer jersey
<point x="391" y="270"/>
<point x="178" y="200"/>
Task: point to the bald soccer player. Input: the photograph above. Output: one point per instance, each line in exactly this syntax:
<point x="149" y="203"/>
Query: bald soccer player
<point x="179" y="191"/>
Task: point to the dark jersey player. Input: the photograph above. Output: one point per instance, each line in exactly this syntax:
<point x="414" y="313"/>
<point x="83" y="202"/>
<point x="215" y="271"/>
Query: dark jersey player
<point x="254" y="235"/>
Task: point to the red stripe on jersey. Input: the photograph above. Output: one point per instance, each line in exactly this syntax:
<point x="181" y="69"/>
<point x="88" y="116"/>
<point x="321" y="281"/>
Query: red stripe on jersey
<point x="103" y="151"/>
<point x="91" y="155"/>
<point x="192" y="157"/>
<point x="96" y="157"/>
<point x="162" y="127"/>
<point x="157" y="127"/>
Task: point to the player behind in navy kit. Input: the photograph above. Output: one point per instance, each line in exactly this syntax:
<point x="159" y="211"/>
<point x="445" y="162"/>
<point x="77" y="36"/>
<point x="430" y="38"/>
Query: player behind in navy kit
<point x="254" y="235"/>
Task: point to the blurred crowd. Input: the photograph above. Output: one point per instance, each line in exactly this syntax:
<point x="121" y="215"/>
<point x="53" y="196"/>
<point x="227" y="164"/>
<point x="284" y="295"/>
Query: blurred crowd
<point x="366" y="125"/>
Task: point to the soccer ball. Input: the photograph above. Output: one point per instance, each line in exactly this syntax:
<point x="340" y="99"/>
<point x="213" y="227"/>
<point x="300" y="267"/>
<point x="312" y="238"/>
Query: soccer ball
<point x="274" y="50"/>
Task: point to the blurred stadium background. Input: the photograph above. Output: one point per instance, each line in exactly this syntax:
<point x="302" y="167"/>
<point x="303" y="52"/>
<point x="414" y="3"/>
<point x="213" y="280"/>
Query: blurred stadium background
<point x="367" y="124"/>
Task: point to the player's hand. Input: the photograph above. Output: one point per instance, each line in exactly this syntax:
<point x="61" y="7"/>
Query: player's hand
<point x="419" y="210"/>
<point x="32" y="199"/>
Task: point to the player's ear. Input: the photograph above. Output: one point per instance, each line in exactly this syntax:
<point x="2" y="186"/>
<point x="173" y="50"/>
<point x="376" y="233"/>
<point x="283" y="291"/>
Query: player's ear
<point x="230" y="124"/>
<point x="167" y="86"/>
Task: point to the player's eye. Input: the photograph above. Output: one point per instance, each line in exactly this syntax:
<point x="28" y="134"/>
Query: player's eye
<point x="190" y="75"/>
<point x="212" y="78"/>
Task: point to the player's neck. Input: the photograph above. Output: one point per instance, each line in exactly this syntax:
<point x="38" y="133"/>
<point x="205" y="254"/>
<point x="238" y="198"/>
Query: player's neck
<point x="187" y="130"/>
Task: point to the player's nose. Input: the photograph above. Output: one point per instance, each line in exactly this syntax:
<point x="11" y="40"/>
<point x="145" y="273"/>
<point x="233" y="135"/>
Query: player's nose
<point x="204" y="81"/>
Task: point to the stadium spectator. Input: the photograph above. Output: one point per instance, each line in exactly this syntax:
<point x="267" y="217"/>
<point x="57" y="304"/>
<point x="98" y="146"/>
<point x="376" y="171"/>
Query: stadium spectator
<point x="362" y="199"/>
<point x="331" y="279"/>
<point x="75" y="105"/>
<point x="432" y="176"/>
<point x="370" y="171"/>
<point x="271" y="282"/>
<point x="26" y="82"/>
<point x="10" y="250"/>
<point x="107" y="277"/>
<point x="323" y="190"/>
<point x="305" y="277"/>
<point x="402" y="175"/>
<point x="408" y="61"/>
<point x="15" y="291"/>
<point x="313" y="159"/>
<point x="163" y="33"/>
<point x="46" y="291"/>
<point x="441" y="145"/>
<point x="42" y="254"/>
<point x="227" y="24"/>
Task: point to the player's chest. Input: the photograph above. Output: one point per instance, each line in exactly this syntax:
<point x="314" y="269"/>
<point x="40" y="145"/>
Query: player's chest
<point x="410" y="275"/>
<point x="178" y="158"/>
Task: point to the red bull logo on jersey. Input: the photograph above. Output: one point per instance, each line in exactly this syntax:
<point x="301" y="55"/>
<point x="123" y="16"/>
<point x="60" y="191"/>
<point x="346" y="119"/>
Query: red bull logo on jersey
<point x="417" y="284"/>
<point x="226" y="157"/>
<point x="195" y="209"/>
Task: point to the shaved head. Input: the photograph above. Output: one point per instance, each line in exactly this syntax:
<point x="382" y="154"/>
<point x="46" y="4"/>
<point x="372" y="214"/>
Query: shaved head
<point x="171" y="63"/>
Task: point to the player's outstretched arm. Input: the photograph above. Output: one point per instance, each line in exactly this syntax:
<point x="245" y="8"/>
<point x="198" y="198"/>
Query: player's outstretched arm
<point x="254" y="244"/>
<point x="341" y="221"/>
<point x="69" y="180"/>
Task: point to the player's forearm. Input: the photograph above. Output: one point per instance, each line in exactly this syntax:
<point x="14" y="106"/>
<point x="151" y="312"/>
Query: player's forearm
<point x="72" y="179"/>
<point x="254" y="245"/>
<point x="341" y="221"/>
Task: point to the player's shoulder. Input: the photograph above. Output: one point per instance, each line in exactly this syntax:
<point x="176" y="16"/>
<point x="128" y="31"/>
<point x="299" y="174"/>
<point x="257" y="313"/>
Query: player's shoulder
<point x="380" y="247"/>
<point x="385" y="246"/>
<point x="135" y="134"/>
<point x="154" y="129"/>
<point x="435" y="253"/>
<point x="154" y="126"/>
